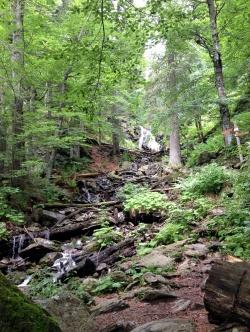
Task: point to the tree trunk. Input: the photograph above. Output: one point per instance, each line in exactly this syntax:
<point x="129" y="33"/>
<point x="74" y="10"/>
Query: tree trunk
<point x="18" y="63"/>
<point x="227" y="293"/>
<point x="174" y="141"/>
<point x="115" y="134"/>
<point x="3" y="143"/>
<point x="199" y="129"/>
<point x="218" y="71"/>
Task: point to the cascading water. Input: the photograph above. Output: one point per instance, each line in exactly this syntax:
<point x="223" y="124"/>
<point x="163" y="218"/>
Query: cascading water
<point x="25" y="282"/>
<point x="147" y="139"/>
<point x="63" y="264"/>
<point x="18" y="242"/>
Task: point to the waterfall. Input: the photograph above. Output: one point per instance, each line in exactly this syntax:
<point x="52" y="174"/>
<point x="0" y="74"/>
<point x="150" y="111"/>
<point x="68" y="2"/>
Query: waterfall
<point x="148" y="140"/>
<point x="25" y="282"/>
<point x="18" y="242"/>
<point x="63" y="264"/>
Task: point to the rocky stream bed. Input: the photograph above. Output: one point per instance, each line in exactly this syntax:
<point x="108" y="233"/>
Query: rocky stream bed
<point x="61" y="240"/>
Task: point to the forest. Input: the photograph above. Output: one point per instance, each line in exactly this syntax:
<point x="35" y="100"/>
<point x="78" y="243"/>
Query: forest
<point x="124" y="165"/>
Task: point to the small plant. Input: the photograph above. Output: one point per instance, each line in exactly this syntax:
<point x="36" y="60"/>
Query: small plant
<point x="107" y="285"/>
<point x="42" y="284"/>
<point x="209" y="180"/>
<point x="170" y="233"/>
<point x="3" y="231"/>
<point x="146" y="202"/>
<point x="106" y="235"/>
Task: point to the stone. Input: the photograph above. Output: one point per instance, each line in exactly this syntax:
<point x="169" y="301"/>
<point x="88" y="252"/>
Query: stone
<point x="167" y="325"/>
<point x="154" y="279"/>
<point x="196" y="250"/>
<point x="186" y="266"/>
<point x="180" y="305"/>
<point x="120" y="276"/>
<point x="219" y="211"/>
<point x="18" y="313"/>
<point x="120" y="326"/>
<point x="35" y="251"/>
<point x="89" y="283"/>
<point x="102" y="267"/>
<point x="72" y="315"/>
<point x="124" y="266"/>
<point x="155" y="294"/>
<point x="49" y="258"/>
<point x="109" y="306"/>
<point x="49" y="217"/>
<point x="205" y="157"/>
<point x="156" y="259"/>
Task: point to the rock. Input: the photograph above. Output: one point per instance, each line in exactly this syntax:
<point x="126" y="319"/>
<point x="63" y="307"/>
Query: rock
<point x="89" y="283"/>
<point x="156" y="259"/>
<point x="196" y="250"/>
<point x="109" y="306"/>
<point x="155" y="294"/>
<point x="231" y="327"/>
<point x="120" y="327"/>
<point x="19" y="313"/>
<point x="49" y="258"/>
<point x="126" y="265"/>
<point x="135" y="292"/>
<point x="16" y="277"/>
<point x="72" y="315"/>
<point x="180" y="305"/>
<point x="35" y="251"/>
<point x="49" y="217"/>
<point x="167" y="325"/>
<point x="154" y="279"/>
<point x="186" y="266"/>
<point x="102" y="267"/>
<point x="219" y="211"/>
<point x="120" y="276"/>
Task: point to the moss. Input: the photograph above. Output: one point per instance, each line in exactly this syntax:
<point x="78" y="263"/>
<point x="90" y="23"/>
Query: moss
<point x="20" y="314"/>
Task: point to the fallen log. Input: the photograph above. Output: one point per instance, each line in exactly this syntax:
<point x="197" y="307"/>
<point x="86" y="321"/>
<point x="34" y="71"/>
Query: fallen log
<point x="227" y="293"/>
<point x="88" y="205"/>
<point x="88" y="263"/>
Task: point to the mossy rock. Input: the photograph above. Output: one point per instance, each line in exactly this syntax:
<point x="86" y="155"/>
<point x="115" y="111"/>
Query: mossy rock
<point x="20" y="314"/>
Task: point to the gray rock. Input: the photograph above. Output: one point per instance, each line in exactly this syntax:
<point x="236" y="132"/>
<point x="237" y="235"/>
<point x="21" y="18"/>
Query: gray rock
<point x="102" y="267"/>
<point x="155" y="294"/>
<point x="120" y="276"/>
<point x="196" y="250"/>
<point x="120" y="327"/>
<point x="156" y="259"/>
<point x="109" y="306"/>
<point x="180" y="305"/>
<point x="72" y="315"/>
<point x="154" y="279"/>
<point x="49" y="258"/>
<point x="35" y="251"/>
<point x="167" y="325"/>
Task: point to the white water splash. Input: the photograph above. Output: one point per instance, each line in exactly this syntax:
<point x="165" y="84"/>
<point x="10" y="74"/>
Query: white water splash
<point x="63" y="264"/>
<point x="25" y="282"/>
<point x="147" y="139"/>
<point x="18" y="242"/>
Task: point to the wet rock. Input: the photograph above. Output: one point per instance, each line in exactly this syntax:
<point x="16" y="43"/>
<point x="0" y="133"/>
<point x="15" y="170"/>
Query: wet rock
<point x="109" y="306"/>
<point x="167" y="325"/>
<point x="49" y="217"/>
<point x="196" y="250"/>
<point x="180" y="305"/>
<point x="72" y="315"/>
<point x="19" y="313"/>
<point x="49" y="258"/>
<point x="156" y="259"/>
<point x="120" y="327"/>
<point x="35" y="251"/>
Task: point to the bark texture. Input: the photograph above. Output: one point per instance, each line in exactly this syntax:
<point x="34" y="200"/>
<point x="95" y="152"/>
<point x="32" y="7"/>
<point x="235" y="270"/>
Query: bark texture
<point x="218" y="71"/>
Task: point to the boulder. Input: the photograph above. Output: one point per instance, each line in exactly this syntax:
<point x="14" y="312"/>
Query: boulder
<point x="49" y="258"/>
<point x="154" y="279"/>
<point x="196" y="250"/>
<point x="19" y="313"/>
<point x="156" y="259"/>
<point x="35" y="251"/>
<point x="109" y="306"/>
<point x="120" y="326"/>
<point x="72" y="315"/>
<point x="166" y="325"/>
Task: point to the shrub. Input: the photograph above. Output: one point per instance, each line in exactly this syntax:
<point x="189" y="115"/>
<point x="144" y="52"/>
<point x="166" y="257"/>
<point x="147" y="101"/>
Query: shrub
<point x="209" y="180"/>
<point x="107" y="285"/>
<point x="170" y="233"/>
<point x="146" y="202"/>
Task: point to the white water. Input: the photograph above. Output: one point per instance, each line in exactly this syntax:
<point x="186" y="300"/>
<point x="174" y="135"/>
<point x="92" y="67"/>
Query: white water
<point x="18" y="242"/>
<point x="63" y="264"/>
<point x="147" y="139"/>
<point x="25" y="282"/>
